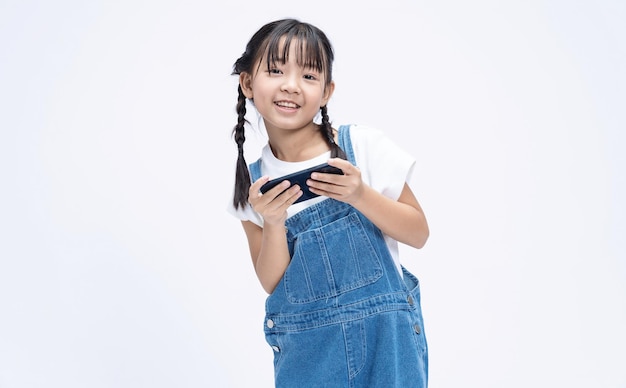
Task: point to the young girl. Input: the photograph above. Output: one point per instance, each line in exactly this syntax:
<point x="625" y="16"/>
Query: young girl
<point x="342" y="311"/>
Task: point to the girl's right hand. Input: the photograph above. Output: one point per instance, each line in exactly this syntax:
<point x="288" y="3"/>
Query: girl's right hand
<point x="273" y="205"/>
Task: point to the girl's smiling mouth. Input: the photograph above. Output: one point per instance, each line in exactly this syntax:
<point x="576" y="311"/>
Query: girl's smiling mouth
<point x="287" y="104"/>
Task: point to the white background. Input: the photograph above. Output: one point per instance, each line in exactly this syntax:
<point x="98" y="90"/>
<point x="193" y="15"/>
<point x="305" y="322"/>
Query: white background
<point x="119" y="266"/>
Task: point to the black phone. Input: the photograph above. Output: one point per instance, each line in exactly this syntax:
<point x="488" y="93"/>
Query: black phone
<point x="300" y="177"/>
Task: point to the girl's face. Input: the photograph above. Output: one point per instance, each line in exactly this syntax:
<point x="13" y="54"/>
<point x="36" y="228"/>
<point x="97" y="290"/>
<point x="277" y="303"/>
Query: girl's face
<point x="287" y="95"/>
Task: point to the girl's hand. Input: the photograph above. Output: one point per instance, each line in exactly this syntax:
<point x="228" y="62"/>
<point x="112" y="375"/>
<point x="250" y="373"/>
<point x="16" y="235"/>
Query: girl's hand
<point x="272" y="205"/>
<point x="345" y="188"/>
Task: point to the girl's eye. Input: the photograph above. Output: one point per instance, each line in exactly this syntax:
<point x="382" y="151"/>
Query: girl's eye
<point x="274" y="71"/>
<point x="310" y="77"/>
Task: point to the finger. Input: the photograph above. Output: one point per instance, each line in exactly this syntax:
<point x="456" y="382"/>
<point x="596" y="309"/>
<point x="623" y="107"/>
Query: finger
<point x="256" y="186"/>
<point x="342" y="164"/>
<point x="278" y="189"/>
<point x="322" y="188"/>
<point x="255" y="195"/>
<point x="280" y="194"/>
<point x="285" y="199"/>
<point x="292" y="195"/>
<point x="333" y="179"/>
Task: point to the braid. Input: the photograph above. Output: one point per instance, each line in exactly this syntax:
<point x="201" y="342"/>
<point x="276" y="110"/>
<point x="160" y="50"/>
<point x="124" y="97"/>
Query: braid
<point x="242" y="176"/>
<point x="327" y="130"/>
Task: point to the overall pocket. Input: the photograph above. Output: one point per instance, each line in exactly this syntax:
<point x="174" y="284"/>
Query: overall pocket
<point x="331" y="260"/>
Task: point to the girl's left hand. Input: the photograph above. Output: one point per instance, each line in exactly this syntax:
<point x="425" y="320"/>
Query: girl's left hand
<point x="346" y="188"/>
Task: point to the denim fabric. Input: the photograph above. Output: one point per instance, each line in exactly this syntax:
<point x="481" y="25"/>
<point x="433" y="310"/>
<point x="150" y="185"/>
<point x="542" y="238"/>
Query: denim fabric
<point x="342" y="316"/>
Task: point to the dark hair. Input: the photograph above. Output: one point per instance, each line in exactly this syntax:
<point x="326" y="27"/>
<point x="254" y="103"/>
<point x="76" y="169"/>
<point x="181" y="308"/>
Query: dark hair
<point x="314" y="50"/>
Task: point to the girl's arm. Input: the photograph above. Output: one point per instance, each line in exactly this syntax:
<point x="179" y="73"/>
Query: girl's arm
<point x="268" y="249"/>
<point x="268" y="245"/>
<point x="402" y="220"/>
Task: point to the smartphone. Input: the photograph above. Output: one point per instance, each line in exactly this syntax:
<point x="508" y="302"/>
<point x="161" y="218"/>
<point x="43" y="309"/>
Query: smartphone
<point x="300" y="177"/>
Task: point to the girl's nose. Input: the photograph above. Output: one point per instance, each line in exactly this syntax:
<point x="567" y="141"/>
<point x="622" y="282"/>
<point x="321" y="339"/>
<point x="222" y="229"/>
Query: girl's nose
<point x="290" y="85"/>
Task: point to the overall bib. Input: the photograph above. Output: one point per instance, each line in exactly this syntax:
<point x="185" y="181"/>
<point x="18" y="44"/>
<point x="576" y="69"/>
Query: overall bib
<point x="342" y="315"/>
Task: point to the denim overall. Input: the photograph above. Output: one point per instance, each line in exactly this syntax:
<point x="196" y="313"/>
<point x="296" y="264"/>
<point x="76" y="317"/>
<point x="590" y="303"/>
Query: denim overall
<point x="342" y="316"/>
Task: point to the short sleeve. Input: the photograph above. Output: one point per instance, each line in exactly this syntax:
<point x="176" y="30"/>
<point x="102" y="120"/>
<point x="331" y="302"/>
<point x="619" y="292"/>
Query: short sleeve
<point x="384" y="165"/>
<point x="245" y="213"/>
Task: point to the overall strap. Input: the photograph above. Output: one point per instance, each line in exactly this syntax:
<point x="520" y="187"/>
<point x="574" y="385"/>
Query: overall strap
<point x="345" y="143"/>
<point x="255" y="170"/>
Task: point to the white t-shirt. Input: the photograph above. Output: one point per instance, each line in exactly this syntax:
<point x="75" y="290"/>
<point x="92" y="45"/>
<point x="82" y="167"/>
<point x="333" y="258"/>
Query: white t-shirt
<point x="384" y="166"/>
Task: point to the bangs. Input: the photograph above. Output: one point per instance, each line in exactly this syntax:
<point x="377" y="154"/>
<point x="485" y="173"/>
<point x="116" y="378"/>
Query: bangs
<point x="310" y="53"/>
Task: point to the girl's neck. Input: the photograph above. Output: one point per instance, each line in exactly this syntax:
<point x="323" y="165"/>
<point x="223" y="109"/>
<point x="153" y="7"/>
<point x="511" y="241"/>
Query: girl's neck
<point x="297" y="146"/>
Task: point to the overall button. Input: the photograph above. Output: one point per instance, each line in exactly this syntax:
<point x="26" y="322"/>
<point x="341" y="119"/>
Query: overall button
<point x="275" y="348"/>
<point x="270" y="323"/>
<point x="410" y="300"/>
<point x="417" y="329"/>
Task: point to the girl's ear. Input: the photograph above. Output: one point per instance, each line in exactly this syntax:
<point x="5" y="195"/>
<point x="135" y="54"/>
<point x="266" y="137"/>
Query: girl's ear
<point x="328" y="92"/>
<point x="245" y="81"/>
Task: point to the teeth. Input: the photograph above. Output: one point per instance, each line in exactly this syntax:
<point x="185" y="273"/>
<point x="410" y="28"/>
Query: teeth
<point x="286" y="104"/>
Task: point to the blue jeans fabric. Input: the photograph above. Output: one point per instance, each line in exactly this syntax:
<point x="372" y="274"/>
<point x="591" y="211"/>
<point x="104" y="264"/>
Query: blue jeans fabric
<point x="342" y="315"/>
